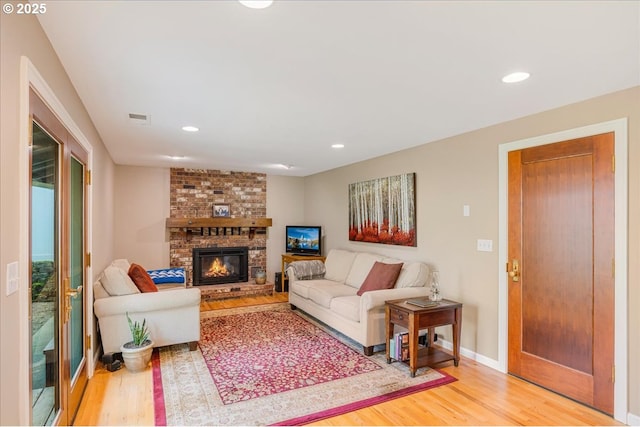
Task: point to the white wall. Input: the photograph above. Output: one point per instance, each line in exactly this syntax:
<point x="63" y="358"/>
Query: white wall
<point x="141" y="208"/>
<point x="285" y="205"/>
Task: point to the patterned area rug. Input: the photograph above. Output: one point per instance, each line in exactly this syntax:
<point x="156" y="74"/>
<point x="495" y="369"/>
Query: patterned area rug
<point x="268" y="365"/>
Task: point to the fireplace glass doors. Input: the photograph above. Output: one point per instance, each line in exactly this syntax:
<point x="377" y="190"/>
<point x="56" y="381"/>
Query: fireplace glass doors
<point x="216" y="266"/>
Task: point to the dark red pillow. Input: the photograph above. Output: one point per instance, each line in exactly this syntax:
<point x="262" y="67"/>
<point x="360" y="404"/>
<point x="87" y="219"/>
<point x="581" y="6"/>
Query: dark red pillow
<point x="141" y="278"/>
<point x="381" y="276"/>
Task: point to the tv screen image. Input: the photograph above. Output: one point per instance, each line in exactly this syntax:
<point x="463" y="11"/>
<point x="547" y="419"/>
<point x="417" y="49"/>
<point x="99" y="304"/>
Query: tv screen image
<point x="304" y="239"/>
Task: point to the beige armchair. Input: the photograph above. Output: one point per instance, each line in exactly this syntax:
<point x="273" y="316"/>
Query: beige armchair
<point x="172" y="314"/>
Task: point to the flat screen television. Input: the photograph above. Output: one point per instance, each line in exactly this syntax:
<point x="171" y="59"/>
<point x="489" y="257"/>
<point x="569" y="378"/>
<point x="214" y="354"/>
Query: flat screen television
<point x="304" y="239"/>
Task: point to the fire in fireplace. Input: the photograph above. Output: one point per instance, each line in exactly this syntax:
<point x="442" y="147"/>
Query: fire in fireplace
<point x="216" y="266"/>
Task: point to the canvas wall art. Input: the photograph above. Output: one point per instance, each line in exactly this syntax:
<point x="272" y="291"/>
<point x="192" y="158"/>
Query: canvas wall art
<point x="383" y="210"/>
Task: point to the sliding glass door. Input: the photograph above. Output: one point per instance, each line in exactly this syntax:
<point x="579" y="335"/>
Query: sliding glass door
<point x="58" y="269"/>
<point x="74" y="284"/>
<point x="45" y="262"/>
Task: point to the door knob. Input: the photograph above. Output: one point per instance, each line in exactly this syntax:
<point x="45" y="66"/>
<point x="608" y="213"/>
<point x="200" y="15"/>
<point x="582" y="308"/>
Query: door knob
<point x="74" y="292"/>
<point x="514" y="271"/>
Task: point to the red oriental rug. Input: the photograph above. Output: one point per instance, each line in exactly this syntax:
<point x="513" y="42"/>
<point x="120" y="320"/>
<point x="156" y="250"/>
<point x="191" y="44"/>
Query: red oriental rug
<point x="268" y="365"/>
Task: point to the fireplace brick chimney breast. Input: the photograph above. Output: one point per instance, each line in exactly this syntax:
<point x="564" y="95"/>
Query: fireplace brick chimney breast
<point x="193" y="194"/>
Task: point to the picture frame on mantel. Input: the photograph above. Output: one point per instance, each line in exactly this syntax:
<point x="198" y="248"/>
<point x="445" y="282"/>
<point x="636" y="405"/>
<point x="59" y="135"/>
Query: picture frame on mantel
<point x="221" y="211"/>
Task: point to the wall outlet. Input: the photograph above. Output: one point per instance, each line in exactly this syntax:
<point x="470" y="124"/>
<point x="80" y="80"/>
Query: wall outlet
<point x="485" y="245"/>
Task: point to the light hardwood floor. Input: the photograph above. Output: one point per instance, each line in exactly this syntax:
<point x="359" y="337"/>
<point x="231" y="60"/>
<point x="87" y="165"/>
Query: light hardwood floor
<point x="481" y="396"/>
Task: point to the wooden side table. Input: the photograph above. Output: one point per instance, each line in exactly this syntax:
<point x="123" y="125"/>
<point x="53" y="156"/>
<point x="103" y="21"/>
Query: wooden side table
<point x="414" y="318"/>
<point x="287" y="258"/>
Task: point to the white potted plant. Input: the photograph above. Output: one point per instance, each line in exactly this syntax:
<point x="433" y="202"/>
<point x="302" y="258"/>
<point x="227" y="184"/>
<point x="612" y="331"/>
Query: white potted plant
<point x="137" y="352"/>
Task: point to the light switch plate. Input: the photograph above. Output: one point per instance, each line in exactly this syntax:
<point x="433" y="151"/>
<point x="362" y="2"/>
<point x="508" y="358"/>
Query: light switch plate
<point x="485" y="245"/>
<point x="12" y="277"/>
<point x="466" y="210"/>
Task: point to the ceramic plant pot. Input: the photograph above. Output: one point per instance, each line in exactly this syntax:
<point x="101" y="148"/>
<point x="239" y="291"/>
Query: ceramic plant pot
<point x="135" y="358"/>
<point x="261" y="277"/>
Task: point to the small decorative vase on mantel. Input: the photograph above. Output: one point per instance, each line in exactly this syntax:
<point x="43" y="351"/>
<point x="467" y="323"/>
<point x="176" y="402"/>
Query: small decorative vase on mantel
<point x="261" y="277"/>
<point x="137" y="352"/>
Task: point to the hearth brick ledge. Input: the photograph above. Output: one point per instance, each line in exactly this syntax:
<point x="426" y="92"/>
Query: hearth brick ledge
<point x="234" y="290"/>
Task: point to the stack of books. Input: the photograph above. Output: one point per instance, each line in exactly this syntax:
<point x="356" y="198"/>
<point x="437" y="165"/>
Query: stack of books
<point x="399" y="346"/>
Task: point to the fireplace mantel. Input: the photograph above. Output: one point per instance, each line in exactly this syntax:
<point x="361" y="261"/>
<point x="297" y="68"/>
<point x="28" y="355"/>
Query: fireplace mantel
<point x="220" y="222"/>
<point x="223" y="223"/>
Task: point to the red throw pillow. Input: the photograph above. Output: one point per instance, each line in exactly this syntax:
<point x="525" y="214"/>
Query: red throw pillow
<point x="381" y="276"/>
<point x="141" y="278"/>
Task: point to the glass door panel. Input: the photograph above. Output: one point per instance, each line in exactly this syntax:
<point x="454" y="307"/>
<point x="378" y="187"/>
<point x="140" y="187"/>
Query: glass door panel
<point x="45" y="277"/>
<point x="76" y="268"/>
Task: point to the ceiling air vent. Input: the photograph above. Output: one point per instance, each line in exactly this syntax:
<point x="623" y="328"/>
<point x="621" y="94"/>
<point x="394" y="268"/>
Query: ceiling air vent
<point x="139" y="119"/>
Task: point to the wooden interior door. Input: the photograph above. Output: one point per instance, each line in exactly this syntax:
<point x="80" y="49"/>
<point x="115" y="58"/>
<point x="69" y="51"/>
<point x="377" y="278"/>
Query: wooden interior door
<point x="561" y="253"/>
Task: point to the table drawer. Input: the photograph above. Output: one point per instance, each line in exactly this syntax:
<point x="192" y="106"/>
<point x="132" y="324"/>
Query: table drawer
<point x="398" y="317"/>
<point x="437" y="318"/>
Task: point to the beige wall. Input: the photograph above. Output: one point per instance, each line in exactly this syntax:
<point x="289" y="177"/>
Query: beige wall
<point x="285" y="205"/>
<point x="22" y="35"/>
<point x="464" y="170"/>
<point x="141" y="208"/>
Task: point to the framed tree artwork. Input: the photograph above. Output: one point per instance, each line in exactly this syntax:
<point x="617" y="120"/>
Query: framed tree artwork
<point x="383" y="210"/>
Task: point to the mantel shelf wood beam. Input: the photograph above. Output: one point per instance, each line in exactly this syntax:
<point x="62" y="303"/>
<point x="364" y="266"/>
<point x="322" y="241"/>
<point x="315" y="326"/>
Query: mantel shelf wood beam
<point x="217" y="223"/>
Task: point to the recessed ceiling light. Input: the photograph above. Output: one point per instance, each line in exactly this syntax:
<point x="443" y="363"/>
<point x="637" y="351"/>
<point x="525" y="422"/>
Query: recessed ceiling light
<point x="515" y="77"/>
<point x="256" y="4"/>
<point x="337" y="145"/>
<point x="283" y="166"/>
<point x="176" y="157"/>
<point x="190" y="129"/>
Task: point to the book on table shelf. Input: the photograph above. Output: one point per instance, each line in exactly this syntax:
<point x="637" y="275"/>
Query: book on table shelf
<point x="399" y="346"/>
<point x="392" y="347"/>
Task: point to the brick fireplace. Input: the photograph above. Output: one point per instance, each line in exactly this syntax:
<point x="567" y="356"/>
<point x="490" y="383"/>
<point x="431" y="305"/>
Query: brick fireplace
<point x="193" y="194"/>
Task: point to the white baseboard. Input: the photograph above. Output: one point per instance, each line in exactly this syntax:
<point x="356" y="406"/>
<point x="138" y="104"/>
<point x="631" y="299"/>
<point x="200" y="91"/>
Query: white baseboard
<point x="96" y="360"/>
<point x="633" y="420"/>
<point x="491" y="363"/>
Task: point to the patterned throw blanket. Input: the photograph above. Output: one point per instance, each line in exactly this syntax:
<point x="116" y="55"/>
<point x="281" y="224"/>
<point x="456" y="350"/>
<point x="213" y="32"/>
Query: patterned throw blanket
<point x="167" y="275"/>
<point x="305" y="270"/>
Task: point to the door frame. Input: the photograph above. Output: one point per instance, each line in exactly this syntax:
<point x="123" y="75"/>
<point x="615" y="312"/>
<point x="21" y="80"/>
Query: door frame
<point x="619" y="127"/>
<point x="30" y="77"/>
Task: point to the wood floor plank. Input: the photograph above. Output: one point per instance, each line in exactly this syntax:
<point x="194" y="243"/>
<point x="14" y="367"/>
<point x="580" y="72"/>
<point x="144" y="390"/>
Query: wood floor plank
<point x="481" y="396"/>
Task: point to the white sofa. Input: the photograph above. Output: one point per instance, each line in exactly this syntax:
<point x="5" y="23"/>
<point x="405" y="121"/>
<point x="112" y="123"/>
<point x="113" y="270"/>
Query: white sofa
<point x="333" y="298"/>
<point x="172" y="313"/>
